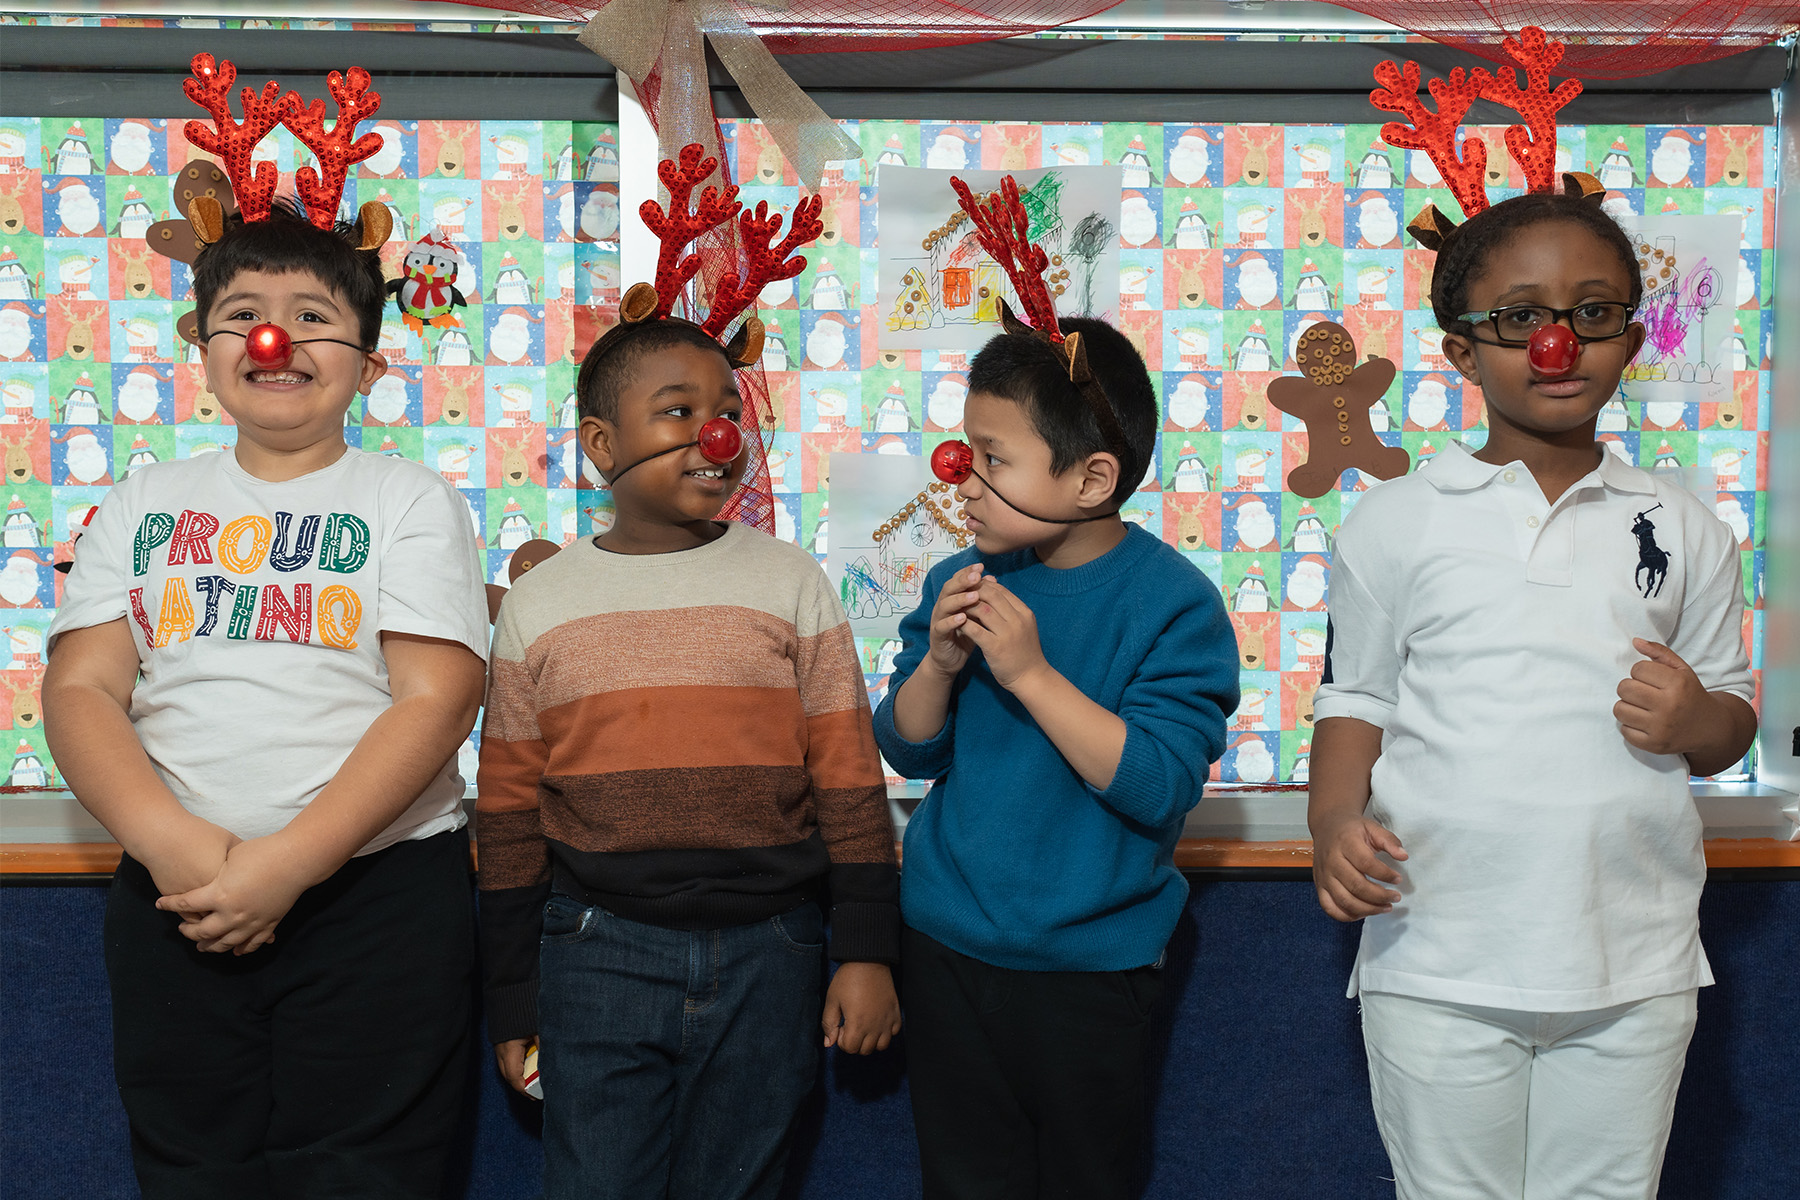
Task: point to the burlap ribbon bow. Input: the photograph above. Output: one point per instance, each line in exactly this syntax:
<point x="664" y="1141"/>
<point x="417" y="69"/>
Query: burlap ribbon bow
<point x="638" y="36"/>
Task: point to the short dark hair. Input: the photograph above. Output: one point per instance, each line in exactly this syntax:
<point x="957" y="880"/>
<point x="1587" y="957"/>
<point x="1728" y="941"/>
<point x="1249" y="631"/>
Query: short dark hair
<point x="1025" y="369"/>
<point x="1465" y="255"/>
<point x="611" y="364"/>
<point x="286" y="241"/>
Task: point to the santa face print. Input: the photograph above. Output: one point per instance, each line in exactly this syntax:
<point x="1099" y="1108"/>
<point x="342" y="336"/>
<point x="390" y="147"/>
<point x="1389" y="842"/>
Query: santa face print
<point x="1257" y="286"/>
<point x="77" y="211"/>
<point x="1191" y="158"/>
<point x="1378" y="225"/>
<point x="1188" y="403"/>
<point x="1253" y="524"/>
<point x="825" y="345"/>
<point x="299" y="407"/>
<point x="945" y="406"/>
<point x="1137" y="223"/>
<point x="130" y="147"/>
<point x="600" y="215"/>
<point x="1672" y="159"/>
<point x="949" y="151"/>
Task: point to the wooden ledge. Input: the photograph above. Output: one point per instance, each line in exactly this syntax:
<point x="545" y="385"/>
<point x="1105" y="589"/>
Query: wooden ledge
<point x="1191" y="854"/>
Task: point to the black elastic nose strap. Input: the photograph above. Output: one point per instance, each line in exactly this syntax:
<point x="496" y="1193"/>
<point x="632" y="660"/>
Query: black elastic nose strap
<point x="294" y="341"/>
<point x="1046" y="520"/>
<point x="640" y="462"/>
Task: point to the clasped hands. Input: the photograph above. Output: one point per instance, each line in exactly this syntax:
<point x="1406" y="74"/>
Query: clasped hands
<point x="230" y="893"/>
<point x="976" y="611"/>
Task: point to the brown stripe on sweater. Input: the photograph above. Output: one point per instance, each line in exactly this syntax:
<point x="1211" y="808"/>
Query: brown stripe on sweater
<point x="855" y="821"/>
<point x="680" y="808"/>
<point x="650" y="728"/>
<point x="512" y="849"/>
<point x="717" y="645"/>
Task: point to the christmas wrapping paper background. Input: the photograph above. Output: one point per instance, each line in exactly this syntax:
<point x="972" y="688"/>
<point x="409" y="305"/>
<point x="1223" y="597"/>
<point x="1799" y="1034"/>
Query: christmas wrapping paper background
<point x="1232" y="238"/>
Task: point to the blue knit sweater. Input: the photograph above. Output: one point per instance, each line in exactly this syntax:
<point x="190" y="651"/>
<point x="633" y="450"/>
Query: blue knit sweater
<point x="1014" y="859"/>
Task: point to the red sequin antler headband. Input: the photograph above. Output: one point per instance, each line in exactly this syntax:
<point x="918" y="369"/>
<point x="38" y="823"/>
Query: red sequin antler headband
<point x="253" y="183"/>
<point x="765" y="261"/>
<point x="1003" y="228"/>
<point x="1532" y="145"/>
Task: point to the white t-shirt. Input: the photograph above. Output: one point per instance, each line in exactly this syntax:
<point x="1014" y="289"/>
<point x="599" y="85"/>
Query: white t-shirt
<point x="1553" y="867"/>
<point x="257" y="609"/>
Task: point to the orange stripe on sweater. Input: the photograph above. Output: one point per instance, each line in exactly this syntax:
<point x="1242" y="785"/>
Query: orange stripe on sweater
<point x="663" y="727"/>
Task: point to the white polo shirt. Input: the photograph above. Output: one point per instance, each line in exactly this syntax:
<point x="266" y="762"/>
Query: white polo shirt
<point x="1553" y="867"/>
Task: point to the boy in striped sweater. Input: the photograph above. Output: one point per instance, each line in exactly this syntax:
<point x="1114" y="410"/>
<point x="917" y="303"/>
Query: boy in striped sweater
<point x="677" y="768"/>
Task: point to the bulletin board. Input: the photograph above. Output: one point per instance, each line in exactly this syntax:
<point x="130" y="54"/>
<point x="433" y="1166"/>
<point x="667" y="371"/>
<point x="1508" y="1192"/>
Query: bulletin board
<point x="1232" y="236"/>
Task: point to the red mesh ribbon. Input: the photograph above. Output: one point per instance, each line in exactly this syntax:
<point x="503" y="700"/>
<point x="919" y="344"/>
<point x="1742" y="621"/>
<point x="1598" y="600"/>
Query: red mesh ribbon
<point x="821" y="26"/>
<point x="1615" y="40"/>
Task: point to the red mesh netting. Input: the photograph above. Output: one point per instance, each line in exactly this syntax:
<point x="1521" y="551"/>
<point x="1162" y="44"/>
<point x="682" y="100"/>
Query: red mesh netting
<point x="1605" y="40"/>
<point x="820" y="26"/>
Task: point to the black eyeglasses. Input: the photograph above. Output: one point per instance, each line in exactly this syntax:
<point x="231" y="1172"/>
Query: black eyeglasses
<point x="1594" y="322"/>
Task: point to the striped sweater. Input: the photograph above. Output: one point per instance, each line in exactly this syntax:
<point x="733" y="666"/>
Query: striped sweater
<point x="684" y="740"/>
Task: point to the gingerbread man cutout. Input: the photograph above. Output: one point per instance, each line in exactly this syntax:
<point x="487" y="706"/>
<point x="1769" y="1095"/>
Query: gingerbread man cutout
<point x="1334" y="399"/>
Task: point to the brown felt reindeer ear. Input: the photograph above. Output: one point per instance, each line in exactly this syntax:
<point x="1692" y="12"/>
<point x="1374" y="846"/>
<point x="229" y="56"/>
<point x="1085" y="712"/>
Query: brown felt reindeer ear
<point x="1010" y="323"/>
<point x="207" y="216"/>
<point x="1580" y="183"/>
<point x="745" y="347"/>
<point x="1431" y="228"/>
<point x="374" y="222"/>
<point x="639" y="304"/>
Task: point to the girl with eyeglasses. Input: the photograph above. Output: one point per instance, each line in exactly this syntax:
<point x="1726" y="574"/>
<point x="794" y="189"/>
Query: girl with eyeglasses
<point x="1535" y="644"/>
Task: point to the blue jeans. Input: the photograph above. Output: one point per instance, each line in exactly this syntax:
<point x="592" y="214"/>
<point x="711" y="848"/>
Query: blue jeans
<point x="674" y="1062"/>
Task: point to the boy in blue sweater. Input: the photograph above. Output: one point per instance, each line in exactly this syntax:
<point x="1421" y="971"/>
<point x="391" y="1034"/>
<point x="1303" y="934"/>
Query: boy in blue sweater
<point x="1067" y="691"/>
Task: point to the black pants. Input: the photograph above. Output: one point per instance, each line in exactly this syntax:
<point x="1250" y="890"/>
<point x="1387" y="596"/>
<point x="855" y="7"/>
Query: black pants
<point x="332" y="1063"/>
<point x="1026" y="1084"/>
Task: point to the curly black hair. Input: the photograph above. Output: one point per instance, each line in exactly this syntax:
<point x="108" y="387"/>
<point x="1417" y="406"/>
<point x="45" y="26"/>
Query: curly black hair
<point x="1024" y="369"/>
<point x="284" y="242"/>
<point x="608" y="369"/>
<point x="1465" y="255"/>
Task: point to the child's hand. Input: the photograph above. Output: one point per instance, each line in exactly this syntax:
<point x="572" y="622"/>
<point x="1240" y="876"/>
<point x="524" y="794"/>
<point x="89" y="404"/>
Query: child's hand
<point x="238" y="910"/>
<point x="862" y="1013"/>
<point x="950" y="644"/>
<point x="1663" y="707"/>
<point x="1344" y="859"/>
<point x="1007" y="633"/>
<point x="192" y="858"/>
<point x="510" y="1055"/>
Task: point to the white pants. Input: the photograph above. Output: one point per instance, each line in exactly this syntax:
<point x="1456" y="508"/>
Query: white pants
<point x="1491" y="1104"/>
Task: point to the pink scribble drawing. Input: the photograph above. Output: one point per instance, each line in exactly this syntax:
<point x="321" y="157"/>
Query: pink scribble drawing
<point x="1669" y="314"/>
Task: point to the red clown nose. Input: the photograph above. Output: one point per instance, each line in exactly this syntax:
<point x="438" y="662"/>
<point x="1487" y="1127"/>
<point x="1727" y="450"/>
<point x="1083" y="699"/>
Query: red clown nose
<point x="269" y="347"/>
<point x="721" y="440"/>
<point x="1552" y="350"/>
<point x="952" y="462"/>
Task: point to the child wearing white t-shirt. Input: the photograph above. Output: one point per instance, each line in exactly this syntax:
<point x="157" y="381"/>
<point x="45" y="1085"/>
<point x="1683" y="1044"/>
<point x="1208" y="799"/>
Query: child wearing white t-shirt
<point x="1535" y="645"/>
<point x="264" y="664"/>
